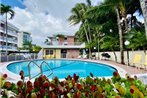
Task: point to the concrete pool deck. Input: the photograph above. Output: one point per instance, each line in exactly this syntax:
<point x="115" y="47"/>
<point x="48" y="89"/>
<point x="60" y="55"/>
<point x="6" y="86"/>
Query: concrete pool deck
<point x="123" y="69"/>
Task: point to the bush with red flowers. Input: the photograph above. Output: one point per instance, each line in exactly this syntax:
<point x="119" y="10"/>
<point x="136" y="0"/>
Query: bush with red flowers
<point x="74" y="87"/>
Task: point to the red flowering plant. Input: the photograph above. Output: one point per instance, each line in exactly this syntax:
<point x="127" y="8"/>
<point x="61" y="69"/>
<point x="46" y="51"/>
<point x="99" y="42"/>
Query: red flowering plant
<point x="74" y="87"/>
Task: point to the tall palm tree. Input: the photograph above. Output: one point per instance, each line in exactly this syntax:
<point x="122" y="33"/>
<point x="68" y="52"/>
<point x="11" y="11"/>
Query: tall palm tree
<point x="6" y="10"/>
<point x="77" y="17"/>
<point x="144" y="14"/>
<point x="117" y="6"/>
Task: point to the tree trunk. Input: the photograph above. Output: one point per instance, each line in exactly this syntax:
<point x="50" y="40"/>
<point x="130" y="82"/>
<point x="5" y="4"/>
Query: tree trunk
<point x="143" y="7"/>
<point x="126" y="24"/>
<point x="131" y="20"/>
<point x="120" y="37"/>
<point x="87" y="40"/>
<point x="144" y="50"/>
<point x="6" y="37"/>
<point x="115" y="56"/>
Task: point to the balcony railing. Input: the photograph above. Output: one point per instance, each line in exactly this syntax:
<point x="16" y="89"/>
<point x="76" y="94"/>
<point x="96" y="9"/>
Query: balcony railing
<point x="9" y="32"/>
<point x="9" y="47"/>
<point x="11" y="40"/>
<point x="65" y="43"/>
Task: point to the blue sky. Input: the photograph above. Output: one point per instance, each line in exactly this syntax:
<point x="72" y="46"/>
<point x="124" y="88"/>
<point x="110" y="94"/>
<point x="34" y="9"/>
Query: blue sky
<point x="13" y="3"/>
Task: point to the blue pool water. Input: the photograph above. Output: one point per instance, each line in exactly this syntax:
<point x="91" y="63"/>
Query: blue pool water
<point x="62" y="68"/>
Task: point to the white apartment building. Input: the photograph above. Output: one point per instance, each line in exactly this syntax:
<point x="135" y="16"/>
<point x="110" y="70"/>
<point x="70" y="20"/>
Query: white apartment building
<point x="12" y="37"/>
<point x="22" y="37"/>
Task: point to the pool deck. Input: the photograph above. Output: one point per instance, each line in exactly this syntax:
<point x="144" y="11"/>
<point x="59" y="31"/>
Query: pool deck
<point x="128" y="69"/>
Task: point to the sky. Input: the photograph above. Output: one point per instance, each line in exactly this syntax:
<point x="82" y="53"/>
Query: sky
<point x="43" y="18"/>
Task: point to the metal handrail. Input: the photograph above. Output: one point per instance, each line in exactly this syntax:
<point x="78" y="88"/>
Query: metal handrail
<point x="30" y="71"/>
<point x="40" y="67"/>
<point x="48" y="66"/>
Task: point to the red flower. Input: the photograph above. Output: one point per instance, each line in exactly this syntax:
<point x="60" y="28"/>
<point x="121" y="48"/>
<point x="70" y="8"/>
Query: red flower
<point x="115" y="74"/>
<point x="46" y="84"/>
<point x="19" y="83"/>
<point x="101" y="96"/>
<point x="53" y="95"/>
<point x="131" y="91"/>
<point x="75" y="77"/>
<point x="56" y="80"/>
<point x="79" y="86"/>
<point x="40" y="79"/>
<point x="4" y="76"/>
<point x="87" y="93"/>
<point x="62" y="83"/>
<point x="21" y="73"/>
<point x="36" y="84"/>
<point x="29" y="84"/>
<point x="42" y="91"/>
<point x="68" y="77"/>
<point x="52" y="86"/>
<point x="93" y="87"/>
<point x="73" y="82"/>
<point x="77" y="95"/>
<point x="29" y="90"/>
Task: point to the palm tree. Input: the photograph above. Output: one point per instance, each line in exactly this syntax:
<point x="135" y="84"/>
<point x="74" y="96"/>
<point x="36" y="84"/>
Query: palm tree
<point x="144" y="14"/>
<point x="117" y="6"/>
<point x="6" y="10"/>
<point x="77" y="17"/>
<point x="110" y="43"/>
<point x="137" y="39"/>
<point x="47" y="41"/>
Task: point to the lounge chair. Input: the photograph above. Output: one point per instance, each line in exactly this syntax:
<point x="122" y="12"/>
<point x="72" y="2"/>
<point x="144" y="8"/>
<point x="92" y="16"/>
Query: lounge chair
<point x="137" y="60"/>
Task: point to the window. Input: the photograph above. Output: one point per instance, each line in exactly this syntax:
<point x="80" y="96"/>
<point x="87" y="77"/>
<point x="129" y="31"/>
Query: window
<point x="49" y="52"/>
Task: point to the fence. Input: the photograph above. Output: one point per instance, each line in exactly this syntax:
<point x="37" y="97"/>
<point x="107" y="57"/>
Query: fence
<point x="130" y="53"/>
<point x="16" y="57"/>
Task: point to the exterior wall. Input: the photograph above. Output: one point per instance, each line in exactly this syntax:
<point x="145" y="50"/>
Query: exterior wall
<point x="131" y="55"/>
<point x="60" y="41"/>
<point x="70" y="40"/>
<point x="12" y="37"/>
<point x="22" y="37"/>
<point x="58" y="53"/>
<point x="72" y="53"/>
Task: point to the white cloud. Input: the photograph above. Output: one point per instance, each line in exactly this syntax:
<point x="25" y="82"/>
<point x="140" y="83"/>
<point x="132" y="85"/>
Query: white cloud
<point x="45" y="17"/>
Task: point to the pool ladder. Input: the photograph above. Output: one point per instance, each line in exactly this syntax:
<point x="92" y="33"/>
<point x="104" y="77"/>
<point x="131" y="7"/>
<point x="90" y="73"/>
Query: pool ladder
<point x="40" y="67"/>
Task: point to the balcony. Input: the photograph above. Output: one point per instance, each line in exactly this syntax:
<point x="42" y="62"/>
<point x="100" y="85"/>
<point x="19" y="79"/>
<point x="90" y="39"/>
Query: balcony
<point x="10" y="48"/>
<point x="12" y="33"/>
<point x="65" y="44"/>
<point x="10" y="40"/>
<point x="2" y="29"/>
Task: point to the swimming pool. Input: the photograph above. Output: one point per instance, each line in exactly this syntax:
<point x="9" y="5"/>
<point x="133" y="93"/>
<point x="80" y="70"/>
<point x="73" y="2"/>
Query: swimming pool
<point x="62" y="68"/>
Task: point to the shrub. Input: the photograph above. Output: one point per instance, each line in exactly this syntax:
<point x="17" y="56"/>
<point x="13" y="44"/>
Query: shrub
<point x="74" y="87"/>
